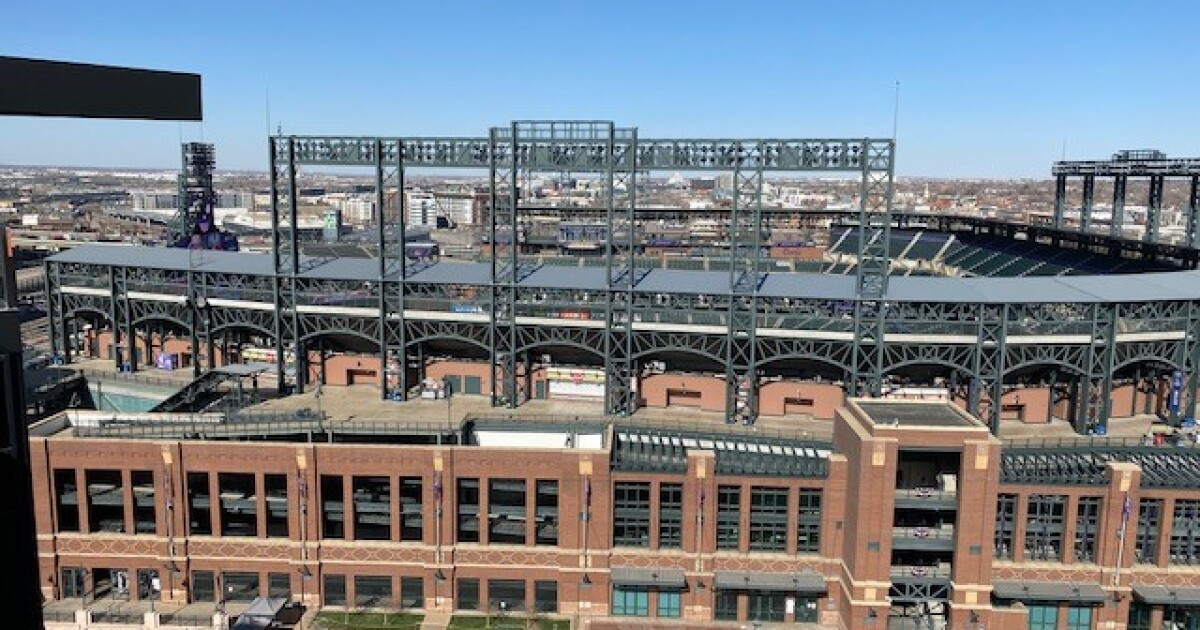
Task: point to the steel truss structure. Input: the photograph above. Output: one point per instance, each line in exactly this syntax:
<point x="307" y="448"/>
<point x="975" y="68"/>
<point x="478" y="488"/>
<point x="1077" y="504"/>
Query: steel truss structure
<point x="1125" y="164"/>
<point x="616" y="155"/>
<point x="750" y="325"/>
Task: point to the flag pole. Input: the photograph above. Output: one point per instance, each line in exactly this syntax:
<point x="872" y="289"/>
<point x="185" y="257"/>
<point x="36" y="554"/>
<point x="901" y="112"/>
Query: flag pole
<point x="1125" y="510"/>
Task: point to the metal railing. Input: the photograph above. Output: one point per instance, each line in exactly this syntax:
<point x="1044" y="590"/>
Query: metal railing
<point x="260" y="424"/>
<point x="924" y="533"/>
<point x="133" y="377"/>
<point x="911" y="571"/>
<point x="649" y="424"/>
<point x="1073" y="443"/>
<point x="186" y="619"/>
<point x="118" y="616"/>
<point x="58" y="615"/>
<point x="926" y="494"/>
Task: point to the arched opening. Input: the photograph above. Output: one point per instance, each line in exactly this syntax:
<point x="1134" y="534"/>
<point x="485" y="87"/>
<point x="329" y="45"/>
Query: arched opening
<point x="679" y="378"/>
<point x="1145" y="386"/>
<point x="86" y="335"/>
<point x="1039" y="393"/>
<point x="801" y="386"/>
<point x="338" y="358"/>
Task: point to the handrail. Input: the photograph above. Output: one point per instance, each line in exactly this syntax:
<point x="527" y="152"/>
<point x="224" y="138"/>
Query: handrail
<point x="924" y="533"/>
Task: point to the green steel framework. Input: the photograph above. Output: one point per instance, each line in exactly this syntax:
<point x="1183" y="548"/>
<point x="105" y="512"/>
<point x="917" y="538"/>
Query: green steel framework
<point x="525" y="147"/>
<point x="856" y="347"/>
<point x="1125" y="164"/>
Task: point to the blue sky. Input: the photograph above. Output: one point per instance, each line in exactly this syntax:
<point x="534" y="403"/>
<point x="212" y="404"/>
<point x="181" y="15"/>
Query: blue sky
<point x="986" y="90"/>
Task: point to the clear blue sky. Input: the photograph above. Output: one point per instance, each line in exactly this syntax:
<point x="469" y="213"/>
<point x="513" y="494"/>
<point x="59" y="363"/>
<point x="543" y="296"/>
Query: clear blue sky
<point x="986" y="90"/>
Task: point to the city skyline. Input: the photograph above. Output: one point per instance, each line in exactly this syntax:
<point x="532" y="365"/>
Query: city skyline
<point x="997" y="92"/>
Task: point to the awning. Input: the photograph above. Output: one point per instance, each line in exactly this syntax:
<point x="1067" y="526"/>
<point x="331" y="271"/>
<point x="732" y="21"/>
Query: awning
<point x="651" y="578"/>
<point x="1167" y="595"/>
<point x="803" y="582"/>
<point x="1050" y="591"/>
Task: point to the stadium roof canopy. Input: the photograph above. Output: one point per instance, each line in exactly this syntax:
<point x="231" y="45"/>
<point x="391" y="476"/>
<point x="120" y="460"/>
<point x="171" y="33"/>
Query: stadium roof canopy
<point x="1165" y="286"/>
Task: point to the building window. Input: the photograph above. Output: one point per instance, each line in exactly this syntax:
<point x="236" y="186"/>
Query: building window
<point x="766" y="606"/>
<point x="412" y="524"/>
<point x="144" y="512"/>
<point x="1043" y="617"/>
<point x="1185" y="532"/>
<point x="334" y="590"/>
<point x="372" y="591"/>
<point x="372" y="508"/>
<point x="1139" y="616"/>
<point x="727" y="604"/>
<point x="468" y="594"/>
<point x="631" y="514"/>
<point x="506" y="511"/>
<point x="279" y="585"/>
<point x="1006" y="525"/>
<point x="333" y="507"/>
<point x="240" y="586"/>
<point x="66" y="501"/>
<point x="670" y="516"/>
<point x="1145" y="546"/>
<point x="547" y="513"/>
<point x="239" y="504"/>
<point x="468" y="510"/>
<point x="72" y="582"/>
<point x="199" y="504"/>
<point x="545" y="596"/>
<point x="768" y="519"/>
<point x="1079" y="618"/>
<point x="1087" y="527"/>
<point x="729" y="517"/>
<point x="204" y="586"/>
<point x="506" y="595"/>
<point x="670" y="604"/>
<point x="1044" y="527"/>
<point x="808" y="525"/>
<point x="412" y="592"/>
<point x="275" y="487"/>
<point x="106" y="501"/>
<point x="630" y="601"/>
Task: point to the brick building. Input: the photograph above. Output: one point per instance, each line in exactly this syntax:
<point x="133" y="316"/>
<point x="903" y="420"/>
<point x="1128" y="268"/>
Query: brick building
<point x="913" y="512"/>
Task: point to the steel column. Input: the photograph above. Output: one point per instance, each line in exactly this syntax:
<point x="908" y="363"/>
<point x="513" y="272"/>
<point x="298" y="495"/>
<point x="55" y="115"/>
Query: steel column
<point x="194" y="321"/>
<point x="1085" y="209"/>
<point x="621" y="271"/>
<point x="1189" y="362"/>
<point x="1193" y="218"/>
<point x="504" y="194"/>
<point x="877" y="164"/>
<point x="1060" y="200"/>
<point x="393" y="358"/>
<point x="1095" y="395"/>
<point x="989" y="364"/>
<point x="1153" y="209"/>
<point x="1118" y="207"/>
<point x="56" y="319"/>
<point x="745" y="249"/>
<point x="114" y="318"/>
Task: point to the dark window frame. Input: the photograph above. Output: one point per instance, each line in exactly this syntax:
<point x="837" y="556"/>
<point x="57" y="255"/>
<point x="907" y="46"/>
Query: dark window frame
<point x="1149" y="527"/>
<point x="1185" y="532"/>
<point x="1006" y="526"/>
<point x="66" y="500"/>
<point x="1087" y="528"/>
<point x="769" y="511"/>
<point x="729" y="518"/>
<point x="670" y="516"/>
<point x="1045" y="522"/>
<point x="631" y="514"/>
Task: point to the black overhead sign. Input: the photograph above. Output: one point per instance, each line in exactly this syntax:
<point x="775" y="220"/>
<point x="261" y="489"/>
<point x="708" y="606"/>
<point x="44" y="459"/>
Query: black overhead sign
<point x="32" y="87"/>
